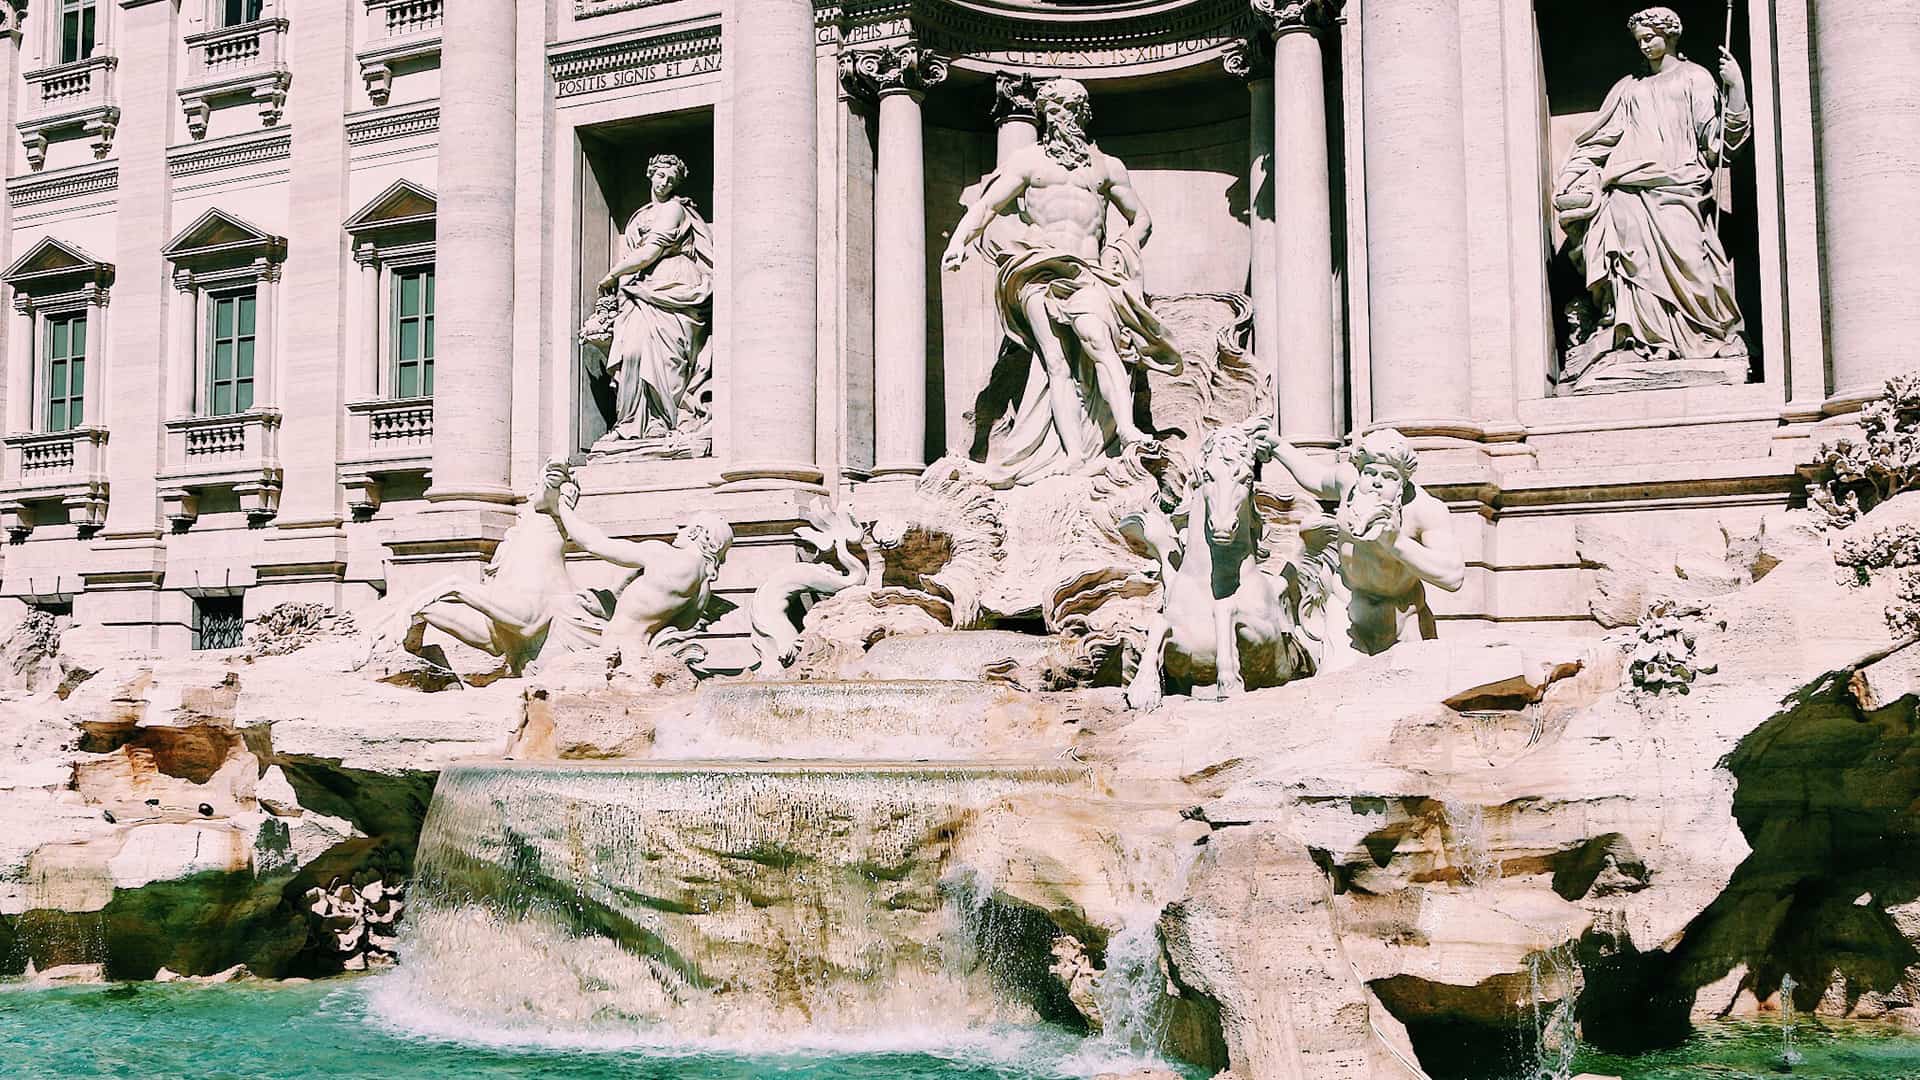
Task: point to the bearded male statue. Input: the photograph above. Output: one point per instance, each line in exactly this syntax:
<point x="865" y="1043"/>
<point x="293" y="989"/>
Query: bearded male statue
<point x="1365" y="570"/>
<point x="1071" y="299"/>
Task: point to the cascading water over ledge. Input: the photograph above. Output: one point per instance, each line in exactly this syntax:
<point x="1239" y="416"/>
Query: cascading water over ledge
<point x="718" y="899"/>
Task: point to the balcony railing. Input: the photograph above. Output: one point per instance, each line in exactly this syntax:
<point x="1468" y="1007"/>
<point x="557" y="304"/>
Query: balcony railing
<point x="247" y="61"/>
<point x="241" y="451"/>
<point x="70" y="97"/>
<point x="67" y="467"/>
<point x="400" y="33"/>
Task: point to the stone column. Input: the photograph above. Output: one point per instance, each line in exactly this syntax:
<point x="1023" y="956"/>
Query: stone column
<point x="183" y="312"/>
<point x="365" y="370"/>
<point x="898" y="76"/>
<point x="772" y="263"/>
<point x="1416" y="184"/>
<point x="20" y="380"/>
<point x="1252" y="59"/>
<point x="1868" y="119"/>
<point x="473" y="378"/>
<point x="1303" y="223"/>
<point x="1016" y="122"/>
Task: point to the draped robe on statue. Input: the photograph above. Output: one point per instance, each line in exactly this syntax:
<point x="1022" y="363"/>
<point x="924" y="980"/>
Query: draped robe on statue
<point x="1025" y="443"/>
<point x="659" y="359"/>
<point x="1636" y="197"/>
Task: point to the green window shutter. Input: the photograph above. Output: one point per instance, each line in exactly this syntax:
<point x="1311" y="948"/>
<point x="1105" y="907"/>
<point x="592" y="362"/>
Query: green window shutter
<point x="66" y="379"/>
<point x="231" y="349"/>
<point x="410" y="328"/>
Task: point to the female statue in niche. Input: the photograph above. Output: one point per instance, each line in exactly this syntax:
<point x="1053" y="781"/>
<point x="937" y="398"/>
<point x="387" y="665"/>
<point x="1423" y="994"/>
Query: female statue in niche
<point x="658" y="298"/>
<point x="1636" y="198"/>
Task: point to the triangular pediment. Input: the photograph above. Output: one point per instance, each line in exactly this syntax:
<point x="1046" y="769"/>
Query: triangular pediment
<point x="405" y="203"/>
<point x="51" y="258"/>
<point x="217" y="232"/>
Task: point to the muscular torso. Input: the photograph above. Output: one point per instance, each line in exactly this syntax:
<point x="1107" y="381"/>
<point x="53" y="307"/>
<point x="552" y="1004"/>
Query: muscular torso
<point x="530" y="566"/>
<point x="1069" y="206"/>
<point x="655" y="597"/>
<point x="1374" y="568"/>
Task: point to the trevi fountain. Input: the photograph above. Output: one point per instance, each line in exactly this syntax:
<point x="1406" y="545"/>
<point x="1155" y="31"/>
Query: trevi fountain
<point x="1237" y="539"/>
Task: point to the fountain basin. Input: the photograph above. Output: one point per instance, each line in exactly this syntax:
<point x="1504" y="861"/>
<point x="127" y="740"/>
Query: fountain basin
<point x="721" y="898"/>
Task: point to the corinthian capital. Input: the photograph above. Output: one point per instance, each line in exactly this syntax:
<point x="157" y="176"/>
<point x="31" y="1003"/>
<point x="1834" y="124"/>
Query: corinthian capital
<point x="894" y="69"/>
<point x="1013" y="97"/>
<point x="1249" y="58"/>
<point x="1291" y="16"/>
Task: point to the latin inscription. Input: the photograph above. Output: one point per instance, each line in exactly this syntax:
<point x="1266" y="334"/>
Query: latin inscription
<point x="637" y="74"/>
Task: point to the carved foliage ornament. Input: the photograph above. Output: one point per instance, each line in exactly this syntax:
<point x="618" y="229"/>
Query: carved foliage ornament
<point x="908" y="68"/>
<point x="1289" y="16"/>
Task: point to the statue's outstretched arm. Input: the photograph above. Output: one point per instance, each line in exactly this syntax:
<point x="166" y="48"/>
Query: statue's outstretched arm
<point x="1320" y="479"/>
<point x="1432" y="554"/>
<point x="590" y="538"/>
<point x="1002" y="189"/>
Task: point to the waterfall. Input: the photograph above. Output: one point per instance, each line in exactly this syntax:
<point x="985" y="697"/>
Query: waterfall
<point x="704" y="901"/>
<point x="1467" y="840"/>
<point x="1553" y="985"/>
<point x="1789" y="1057"/>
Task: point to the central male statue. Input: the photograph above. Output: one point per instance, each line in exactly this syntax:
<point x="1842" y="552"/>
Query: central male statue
<point x="1069" y="297"/>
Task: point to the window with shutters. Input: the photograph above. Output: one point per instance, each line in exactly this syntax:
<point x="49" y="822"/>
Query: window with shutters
<point x="231" y="351"/>
<point x="66" y="370"/>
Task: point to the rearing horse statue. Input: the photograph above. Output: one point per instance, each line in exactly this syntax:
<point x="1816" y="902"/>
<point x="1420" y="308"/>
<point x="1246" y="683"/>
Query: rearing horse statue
<point x="1220" y="614"/>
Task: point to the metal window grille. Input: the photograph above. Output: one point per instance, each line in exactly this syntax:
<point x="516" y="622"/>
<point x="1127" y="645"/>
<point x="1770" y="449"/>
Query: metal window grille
<point x="218" y="622"/>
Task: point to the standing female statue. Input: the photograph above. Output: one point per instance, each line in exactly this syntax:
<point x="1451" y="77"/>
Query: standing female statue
<point x="1636" y="198"/>
<point x="662" y="294"/>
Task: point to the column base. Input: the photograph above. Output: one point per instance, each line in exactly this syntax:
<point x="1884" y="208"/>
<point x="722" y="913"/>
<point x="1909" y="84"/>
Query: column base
<point x="1850" y="398"/>
<point x="896" y="472"/>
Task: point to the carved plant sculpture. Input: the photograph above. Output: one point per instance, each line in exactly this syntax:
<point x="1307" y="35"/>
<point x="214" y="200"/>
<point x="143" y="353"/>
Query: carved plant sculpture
<point x="1857" y="475"/>
<point x="1665" y="658"/>
<point x="358" y="923"/>
<point x="832" y="533"/>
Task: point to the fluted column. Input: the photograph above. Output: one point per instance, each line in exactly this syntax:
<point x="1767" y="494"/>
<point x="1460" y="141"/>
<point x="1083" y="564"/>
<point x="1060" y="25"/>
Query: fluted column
<point x="1303" y="222"/>
<point x="473" y="380"/>
<point x="772" y="263"/>
<point x="898" y="77"/>
<point x="1868" y="120"/>
<point x="20" y="380"/>
<point x="1251" y="59"/>
<point x="1416" y="184"/>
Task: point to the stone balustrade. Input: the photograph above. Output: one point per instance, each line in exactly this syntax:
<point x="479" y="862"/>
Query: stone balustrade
<point x="247" y="62"/>
<point x="71" y="97"/>
<point x="401" y="35"/>
<point x="241" y="451"/>
<point x="64" y="467"/>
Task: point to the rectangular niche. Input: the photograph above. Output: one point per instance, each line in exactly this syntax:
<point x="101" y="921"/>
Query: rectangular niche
<point x="613" y="185"/>
<point x="1585" y="48"/>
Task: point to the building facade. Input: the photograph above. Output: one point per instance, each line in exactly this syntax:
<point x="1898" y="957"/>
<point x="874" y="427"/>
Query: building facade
<point x="298" y="285"/>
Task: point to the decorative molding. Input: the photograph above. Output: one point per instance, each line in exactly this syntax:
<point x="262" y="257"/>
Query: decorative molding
<point x="236" y="62"/>
<point x="893" y="69"/>
<point x="405" y="122"/>
<point x="587" y="9"/>
<point x="1035" y="39"/>
<point x="249" y="149"/>
<point x="1250" y="58"/>
<point x="1013" y="97"/>
<point x="1294" y="16"/>
<point x="633" y="61"/>
<point x="66" y="184"/>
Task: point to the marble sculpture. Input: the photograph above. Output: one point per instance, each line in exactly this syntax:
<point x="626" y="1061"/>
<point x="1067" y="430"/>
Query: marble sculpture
<point x="1636" y="197"/>
<point x="1070" y="298"/>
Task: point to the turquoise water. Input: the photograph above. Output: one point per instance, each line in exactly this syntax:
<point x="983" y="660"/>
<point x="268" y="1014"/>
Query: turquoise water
<point x="335" y="1029"/>
<point x="1750" y="1050"/>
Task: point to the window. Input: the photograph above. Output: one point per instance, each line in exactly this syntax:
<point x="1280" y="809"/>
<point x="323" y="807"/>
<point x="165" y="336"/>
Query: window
<point x="77" y="27"/>
<point x="230" y="348"/>
<point x="219" y="622"/>
<point x="235" y="12"/>
<point x="66" y="370"/>
<point x="413" y="332"/>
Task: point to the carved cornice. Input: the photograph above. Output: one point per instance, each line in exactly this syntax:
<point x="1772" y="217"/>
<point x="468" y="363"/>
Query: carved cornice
<point x="95" y="180"/>
<point x="379" y="127"/>
<point x="252" y="149"/>
<point x="985" y="36"/>
<point x="893" y="69"/>
<point x="632" y="61"/>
